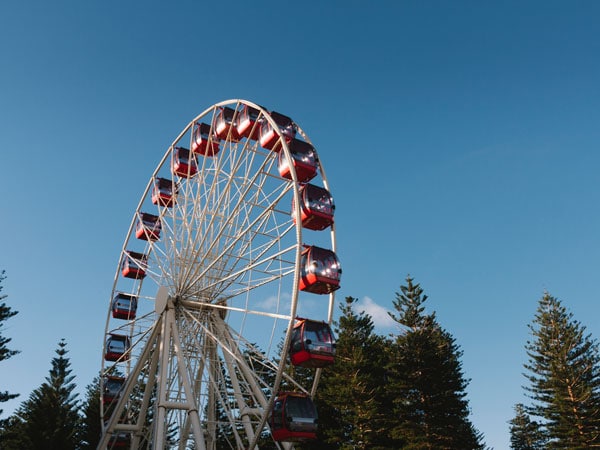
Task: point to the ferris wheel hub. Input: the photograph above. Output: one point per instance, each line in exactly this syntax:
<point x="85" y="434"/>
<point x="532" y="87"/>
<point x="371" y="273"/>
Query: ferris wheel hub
<point x="162" y="298"/>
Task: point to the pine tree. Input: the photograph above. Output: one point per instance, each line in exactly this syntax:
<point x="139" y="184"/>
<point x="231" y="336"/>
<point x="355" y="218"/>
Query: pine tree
<point x="525" y="434"/>
<point x="350" y="392"/>
<point x="6" y="312"/>
<point x="564" y="377"/>
<point x="49" y="418"/>
<point x="91" y="423"/>
<point x="426" y="383"/>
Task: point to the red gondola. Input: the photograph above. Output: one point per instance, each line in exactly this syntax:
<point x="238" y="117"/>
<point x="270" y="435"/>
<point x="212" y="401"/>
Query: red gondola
<point x="184" y="162"/>
<point x="312" y="344"/>
<point x="248" y="123"/>
<point x="225" y="125"/>
<point x="148" y="227"/>
<point x="134" y="265"/>
<point x="321" y="271"/>
<point x="164" y="192"/>
<point x="124" y="306"/>
<point x="304" y="160"/>
<point x="202" y="143"/>
<point x="269" y="138"/>
<point x="117" y="347"/>
<point x="111" y="388"/>
<point x="294" y="418"/>
<point x="317" y="207"/>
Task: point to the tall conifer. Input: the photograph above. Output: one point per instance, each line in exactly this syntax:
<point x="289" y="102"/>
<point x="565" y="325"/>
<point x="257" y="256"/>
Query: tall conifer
<point x="426" y="385"/>
<point x="564" y="377"/>
<point x="49" y="418"/>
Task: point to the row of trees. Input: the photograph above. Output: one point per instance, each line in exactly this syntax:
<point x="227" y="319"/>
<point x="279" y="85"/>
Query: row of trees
<point x="405" y="391"/>
<point x="52" y="418"/>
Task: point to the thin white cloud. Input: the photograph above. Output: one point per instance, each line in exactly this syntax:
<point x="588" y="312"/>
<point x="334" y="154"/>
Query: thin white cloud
<point x="271" y="303"/>
<point x="379" y="314"/>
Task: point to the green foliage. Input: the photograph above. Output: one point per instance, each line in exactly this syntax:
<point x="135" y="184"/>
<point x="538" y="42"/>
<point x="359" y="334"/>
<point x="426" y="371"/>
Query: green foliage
<point x="226" y="433"/>
<point x="525" y="434"/>
<point x="564" y="378"/>
<point x="49" y="419"/>
<point x="91" y="421"/>
<point x="426" y="386"/>
<point x="12" y="434"/>
<point x="6" y="312"/>
<point x="350" y="393"/>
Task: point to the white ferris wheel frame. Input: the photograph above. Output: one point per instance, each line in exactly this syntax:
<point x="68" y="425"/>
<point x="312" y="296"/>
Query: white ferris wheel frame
<point x="157" y="352"/>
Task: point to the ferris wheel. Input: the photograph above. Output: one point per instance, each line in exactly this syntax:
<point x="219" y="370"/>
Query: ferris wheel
<point x="219" y="318"/>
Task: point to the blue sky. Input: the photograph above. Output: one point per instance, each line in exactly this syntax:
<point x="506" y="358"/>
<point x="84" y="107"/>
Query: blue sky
<point x="459" y="139"/>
